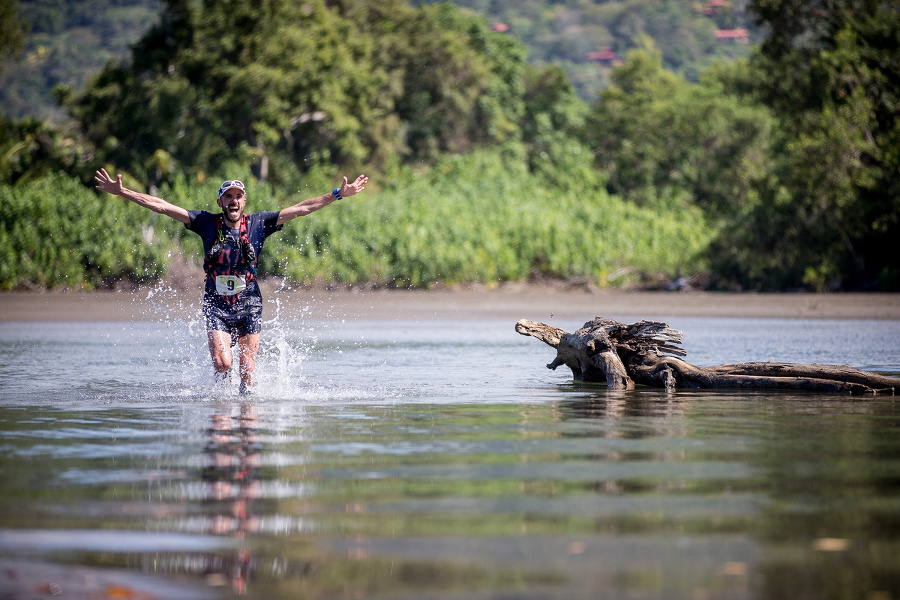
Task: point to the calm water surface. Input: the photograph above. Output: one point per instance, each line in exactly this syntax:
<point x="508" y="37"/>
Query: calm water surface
<point x="439" y="459"/>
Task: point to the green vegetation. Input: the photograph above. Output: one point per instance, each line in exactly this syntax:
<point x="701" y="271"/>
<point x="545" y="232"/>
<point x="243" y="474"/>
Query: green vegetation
<point x="566" y="33"/>
<point x="54" y="232"/>
<point x="779" y="171"/>
<point x="833" y="81"/>
<point x="67" y="43"/>
<point x="490" y="228"/>
<point x="70" y="41"/>
<point x="476" y="218"/>
<point x="13" y="29"/>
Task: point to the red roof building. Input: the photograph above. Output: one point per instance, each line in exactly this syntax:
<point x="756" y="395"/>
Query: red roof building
<point x="741" y="36"/>
<point x="605" y="55"/>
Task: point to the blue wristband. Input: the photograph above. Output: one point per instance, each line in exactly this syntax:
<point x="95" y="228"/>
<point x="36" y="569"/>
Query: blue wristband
<point x="337" y="193"/>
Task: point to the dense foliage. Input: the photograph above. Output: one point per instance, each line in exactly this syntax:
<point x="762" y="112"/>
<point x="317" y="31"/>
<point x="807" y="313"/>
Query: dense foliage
<point x="54" y="232"/>
<point x="70" y="41"/>
<point x="567" y="33"/>
<point x="286" y="83"/>
<point x="13" y="30"/>
<point x="443" y="225"/>
<point x="780" y="171"/>
<point x="67" y="43"/>
<point x="478" y="218"/>
<point x="831" y="74"/>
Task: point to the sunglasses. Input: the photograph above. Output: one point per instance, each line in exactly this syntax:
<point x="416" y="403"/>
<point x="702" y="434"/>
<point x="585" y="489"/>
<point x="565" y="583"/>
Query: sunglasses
<point x="230" y="184"/>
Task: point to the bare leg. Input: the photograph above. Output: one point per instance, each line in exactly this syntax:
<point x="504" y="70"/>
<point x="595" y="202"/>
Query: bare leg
<point x="220" y="350"/>
<point x="249" y="346"/>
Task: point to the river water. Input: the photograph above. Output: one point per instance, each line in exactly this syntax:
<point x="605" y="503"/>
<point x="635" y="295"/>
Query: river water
<point x="438" y="459"/>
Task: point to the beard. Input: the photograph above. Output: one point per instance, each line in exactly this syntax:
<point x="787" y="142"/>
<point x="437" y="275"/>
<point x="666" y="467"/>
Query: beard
<point x="232" y="214"/>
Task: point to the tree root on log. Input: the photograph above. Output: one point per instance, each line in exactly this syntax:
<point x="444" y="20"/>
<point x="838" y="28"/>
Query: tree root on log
<point x="647" y="353"/>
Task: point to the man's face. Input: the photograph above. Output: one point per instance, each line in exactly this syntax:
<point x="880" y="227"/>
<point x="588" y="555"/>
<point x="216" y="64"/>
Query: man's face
<point x="232" y="204"/>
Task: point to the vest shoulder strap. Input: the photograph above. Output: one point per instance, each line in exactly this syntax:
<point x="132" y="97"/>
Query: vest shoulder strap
<point x="247" y="252"/>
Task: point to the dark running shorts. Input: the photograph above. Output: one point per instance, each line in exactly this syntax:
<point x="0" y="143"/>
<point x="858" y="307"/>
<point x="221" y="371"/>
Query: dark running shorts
<point x="236" y="325"/>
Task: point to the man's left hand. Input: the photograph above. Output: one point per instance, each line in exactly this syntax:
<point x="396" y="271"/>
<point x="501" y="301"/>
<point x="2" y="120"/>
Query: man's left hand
<point x="349" y="189"/>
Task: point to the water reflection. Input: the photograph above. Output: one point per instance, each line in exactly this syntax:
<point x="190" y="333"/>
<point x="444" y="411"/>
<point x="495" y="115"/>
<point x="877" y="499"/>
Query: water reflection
<point x="635" y="494"/>
<point x="233" y="487"/>
<point x="613" y="406"/>
<point x="429" y="464"/>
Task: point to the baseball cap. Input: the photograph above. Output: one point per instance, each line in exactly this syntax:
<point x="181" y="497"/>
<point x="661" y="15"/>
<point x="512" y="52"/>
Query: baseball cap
<point x="231" y="183"/>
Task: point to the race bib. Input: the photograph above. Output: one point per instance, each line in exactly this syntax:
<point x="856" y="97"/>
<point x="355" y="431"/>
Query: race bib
<point x="229" y="285"/>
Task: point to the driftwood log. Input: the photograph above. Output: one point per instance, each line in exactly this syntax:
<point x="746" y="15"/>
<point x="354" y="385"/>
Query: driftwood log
<point x="648" y="353"/>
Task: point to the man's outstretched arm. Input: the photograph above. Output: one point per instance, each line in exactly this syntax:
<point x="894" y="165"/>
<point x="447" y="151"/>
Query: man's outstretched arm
<point x="114" y="186"/>
<point x="305" y="207"/>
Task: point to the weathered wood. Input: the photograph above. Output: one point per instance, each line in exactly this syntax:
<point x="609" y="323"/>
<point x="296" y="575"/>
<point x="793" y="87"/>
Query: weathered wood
<point x="547" y="334"/>
<point x="669" y="372"/>
<point x="645" y="335"/>
<point x="589" y="352"/>
<point x="634" y="337"/>
<point x="646" y="353"/>
<point x="833" y="372"/>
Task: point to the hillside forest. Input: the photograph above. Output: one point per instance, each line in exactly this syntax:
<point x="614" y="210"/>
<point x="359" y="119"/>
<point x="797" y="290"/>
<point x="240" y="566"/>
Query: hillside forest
<point x="628" y="143"/>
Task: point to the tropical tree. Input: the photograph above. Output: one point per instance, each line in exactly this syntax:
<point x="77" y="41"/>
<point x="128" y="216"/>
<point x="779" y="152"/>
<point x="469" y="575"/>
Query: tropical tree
<point x="462" y="83"/>
<point x="285" y="85"/>
<point x="658" y="137"/>
<point x="831" y="72"/>
<point x="12" y="30"/>
<point x="553" y="131"/>
<point x="31" y="149"/>
<point x="220" y="80"/>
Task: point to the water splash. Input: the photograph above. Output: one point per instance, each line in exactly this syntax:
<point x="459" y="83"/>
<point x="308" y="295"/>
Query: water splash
<point x="289" y="365"/>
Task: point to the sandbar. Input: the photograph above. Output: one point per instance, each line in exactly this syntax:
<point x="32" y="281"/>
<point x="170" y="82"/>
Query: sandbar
<point x="545" y="305"/>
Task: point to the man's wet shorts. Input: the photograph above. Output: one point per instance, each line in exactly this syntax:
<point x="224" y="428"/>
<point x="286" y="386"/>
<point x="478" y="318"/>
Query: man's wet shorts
<point x="237" y="324"/>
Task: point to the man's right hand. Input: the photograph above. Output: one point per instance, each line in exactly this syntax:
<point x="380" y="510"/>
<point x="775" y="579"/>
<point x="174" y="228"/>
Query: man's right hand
<point x="107" y="184"/>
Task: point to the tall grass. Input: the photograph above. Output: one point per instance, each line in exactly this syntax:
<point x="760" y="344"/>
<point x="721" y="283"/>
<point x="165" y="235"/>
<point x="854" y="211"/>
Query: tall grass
<point x="476" y="219"/>
<point x="473" y="218"/>
<point x="56" y="233"/>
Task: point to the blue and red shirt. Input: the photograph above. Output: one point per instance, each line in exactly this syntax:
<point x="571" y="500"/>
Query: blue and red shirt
<point x="230" y="277"/>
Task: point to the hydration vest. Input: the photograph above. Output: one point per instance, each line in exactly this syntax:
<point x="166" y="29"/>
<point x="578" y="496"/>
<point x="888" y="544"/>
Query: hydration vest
<point x="227" y="273"/>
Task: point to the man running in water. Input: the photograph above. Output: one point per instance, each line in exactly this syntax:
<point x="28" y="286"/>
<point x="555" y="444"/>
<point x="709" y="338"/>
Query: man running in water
<point x="232" y="303"/>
